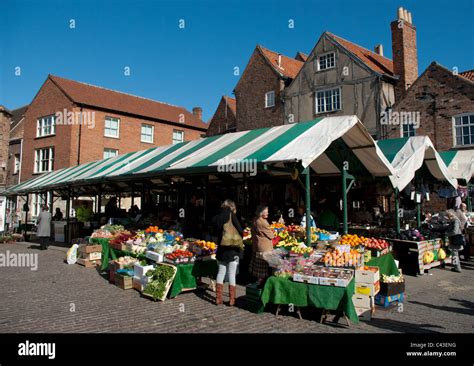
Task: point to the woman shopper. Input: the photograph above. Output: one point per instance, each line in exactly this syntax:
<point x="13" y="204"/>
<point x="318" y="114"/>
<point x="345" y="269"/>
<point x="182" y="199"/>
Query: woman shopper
<point x="456" y="239"/>
<point x="230" y="249"/>
<point x="262" y="236"/>
<point x="44" y="227"/>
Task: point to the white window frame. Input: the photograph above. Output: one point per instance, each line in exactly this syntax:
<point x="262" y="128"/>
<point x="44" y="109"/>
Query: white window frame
<point x="174" y="140"/>
<point x="39" y="159"/>
<point x="267" y="94"/>
<point x="470" y="115"/>
<point x="326" y="55"/>
<point x="16" y="163"/>
<point x="316" y="101"/>
<point x="108" y="128"/>
<point x="42" y="126"/>
<point x="402" y="132"/>
<point x="109" y="151"/>
<point x="152" y="133"/>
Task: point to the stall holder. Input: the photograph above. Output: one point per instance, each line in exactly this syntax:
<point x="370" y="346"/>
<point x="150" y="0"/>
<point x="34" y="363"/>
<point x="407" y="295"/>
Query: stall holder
<point x="403" y="248"/>
<point x="283" y="291"/>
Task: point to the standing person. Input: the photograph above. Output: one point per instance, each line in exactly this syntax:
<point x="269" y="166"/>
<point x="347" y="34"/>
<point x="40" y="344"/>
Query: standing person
<point x="456" y="239"/>
<point x="462" y="214"/>
<point x="44" y="227"/>
<point x="302" y="212"/>
<point x="230" y="248"/>
<point x="58" y="216"/>
<point x="262" y="236"/>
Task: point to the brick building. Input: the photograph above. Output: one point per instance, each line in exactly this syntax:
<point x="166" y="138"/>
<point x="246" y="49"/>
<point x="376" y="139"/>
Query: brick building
<point x="5" y="118"/>
<point x="443" y="103"/>
<point x="225" y="118"/>
<point x="70" y="123"/>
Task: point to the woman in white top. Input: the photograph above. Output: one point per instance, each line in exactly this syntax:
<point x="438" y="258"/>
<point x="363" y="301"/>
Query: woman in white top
<point x="44" y="227"/>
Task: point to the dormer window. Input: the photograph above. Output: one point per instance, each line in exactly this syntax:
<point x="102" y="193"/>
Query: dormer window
<point x="270" y="99"/>
<point x="326" y="61"/>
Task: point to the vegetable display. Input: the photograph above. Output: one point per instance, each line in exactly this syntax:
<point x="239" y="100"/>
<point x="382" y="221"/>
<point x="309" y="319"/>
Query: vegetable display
<point x="160" y="278"/>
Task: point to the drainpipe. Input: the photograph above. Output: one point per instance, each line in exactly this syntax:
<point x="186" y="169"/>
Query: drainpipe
<point x="79" y="139"/>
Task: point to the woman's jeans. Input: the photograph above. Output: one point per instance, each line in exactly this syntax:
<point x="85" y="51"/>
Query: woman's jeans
<point x="230" y="268"/>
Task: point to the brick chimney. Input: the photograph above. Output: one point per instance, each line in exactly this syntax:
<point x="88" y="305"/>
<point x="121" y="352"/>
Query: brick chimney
<point x="405" y="58"/>
<point x="197" y="111"/>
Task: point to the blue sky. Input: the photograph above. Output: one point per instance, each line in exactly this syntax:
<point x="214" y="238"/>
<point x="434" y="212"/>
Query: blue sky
<point x="194" y="66"/>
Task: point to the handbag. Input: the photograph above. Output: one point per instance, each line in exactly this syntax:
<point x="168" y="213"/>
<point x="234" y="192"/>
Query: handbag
<point x="230" y="235"/>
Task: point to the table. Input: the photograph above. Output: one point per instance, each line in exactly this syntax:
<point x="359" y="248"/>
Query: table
<point x="187" y="274"/>
<point x="386" y="264"/>
<point x="283" y="291"/>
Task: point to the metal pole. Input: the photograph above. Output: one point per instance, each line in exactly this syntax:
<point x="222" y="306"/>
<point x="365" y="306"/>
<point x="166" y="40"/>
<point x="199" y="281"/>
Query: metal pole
<point x="26" y="213"/>
<point x="418" y="214"/>
<point x="469" y="201"/>
<point x="397" y="209"/>
<point x="344" y="201"/>
<point x="68" y="208"/>
<point x="308" y="206"/>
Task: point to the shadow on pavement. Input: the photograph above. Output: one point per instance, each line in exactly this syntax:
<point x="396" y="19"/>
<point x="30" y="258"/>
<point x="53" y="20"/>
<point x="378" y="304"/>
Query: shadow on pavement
<point x="450" y="309"/>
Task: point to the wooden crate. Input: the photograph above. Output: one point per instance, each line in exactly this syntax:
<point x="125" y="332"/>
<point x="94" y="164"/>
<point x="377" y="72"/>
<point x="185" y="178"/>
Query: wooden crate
<point x="168" y="284"/>
<point x="90" y="248"/>
<point x="88" y="263"/>
<point x="124" y="282"/>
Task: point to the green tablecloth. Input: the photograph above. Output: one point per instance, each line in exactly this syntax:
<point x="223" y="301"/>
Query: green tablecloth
<point x="386" y="264"/>
<point x="280" y="290"/>
<point x="187" y="274"/>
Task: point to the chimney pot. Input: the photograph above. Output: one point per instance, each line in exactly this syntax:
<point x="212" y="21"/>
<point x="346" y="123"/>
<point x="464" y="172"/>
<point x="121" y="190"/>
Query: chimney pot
<point x="400" y="13"/>
<point x="379" y="49"/>
<point x="197" y="111"/>
<point x="405" y="15"/>
<point x="409" y="18"/>
<point x="279" y="61"/>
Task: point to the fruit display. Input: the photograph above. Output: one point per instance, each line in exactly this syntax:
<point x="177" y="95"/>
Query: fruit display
<point x="339" y="258"/>
<point x="101" y="233"/>
<point x="275" y="226"/>
<point x="294" y="228"/>
<point x="153" y="229"/>
<point x="113" y="229"/>
<point x="127" y="261"/>
<point x="352" y="239"/>
<point x="377" y="244"/>
<point x="202" y="247"/>
<point x="180" y="256"/>
<point x="300" y="249"/>
<point x="393" y="278"/>
<point x="121" y="237"/>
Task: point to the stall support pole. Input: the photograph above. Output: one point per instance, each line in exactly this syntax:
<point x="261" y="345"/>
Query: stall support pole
<point x="133" y="195"/>
<point x="345" y="191"/>
<point x="397" y="209"/>
<point x="418" y="215"/>
<point x="469" y="200"/>
<point x="68" y="209"/>
<point x="26" y="213"/>
<point x="307" y="174"/>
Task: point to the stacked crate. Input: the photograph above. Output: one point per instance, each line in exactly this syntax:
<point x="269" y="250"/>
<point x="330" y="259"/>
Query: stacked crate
<point x="367" y="285"/>
<point x="89" y="255"/>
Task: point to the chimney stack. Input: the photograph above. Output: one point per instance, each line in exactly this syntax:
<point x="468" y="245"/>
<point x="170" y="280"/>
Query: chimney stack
<point x="279" y="61"/>
<point x="405" y="58"/>
<point x="379" y="49"/>
<point x="197" y="111"/>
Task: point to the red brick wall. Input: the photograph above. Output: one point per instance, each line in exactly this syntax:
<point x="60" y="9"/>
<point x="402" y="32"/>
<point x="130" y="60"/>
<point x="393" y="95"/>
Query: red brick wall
<point x="48" y="101"/>
<point x="4" y="137"/>
<point x="257" y="79"/>
<point x="438" y="95"/>
<point x="222" y="121"/>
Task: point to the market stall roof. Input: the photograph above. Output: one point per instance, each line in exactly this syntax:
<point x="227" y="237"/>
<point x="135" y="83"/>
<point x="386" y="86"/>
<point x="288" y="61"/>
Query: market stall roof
<point x="323" y="144"/>
<point x="408" y="154"/>
<point x="460" y="163"/>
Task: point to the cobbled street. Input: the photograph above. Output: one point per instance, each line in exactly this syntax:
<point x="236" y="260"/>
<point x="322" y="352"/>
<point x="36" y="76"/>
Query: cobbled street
<point x="70" y="298"/>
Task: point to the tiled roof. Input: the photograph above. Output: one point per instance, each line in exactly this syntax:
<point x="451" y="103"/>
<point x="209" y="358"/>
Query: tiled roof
<point x="231" y="104"/>
<point x="469" y="74"/>
<point x="378" y="63"/>
<point x="289" y="67"/>
<point x="17" y="116"/>
<point x="300" y="56"/>
<point x="96" y="96"/>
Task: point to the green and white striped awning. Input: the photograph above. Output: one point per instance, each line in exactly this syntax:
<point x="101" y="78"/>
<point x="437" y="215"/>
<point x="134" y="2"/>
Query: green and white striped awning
<point x="460" y="163"/>
<point x="407" y="155"/>
<point x="323" y="144"/>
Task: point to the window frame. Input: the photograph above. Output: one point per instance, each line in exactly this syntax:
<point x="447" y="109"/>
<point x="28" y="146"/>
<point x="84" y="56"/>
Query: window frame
<point x="152" y="133"/>
<point x="39" y="160"/>
<point x="266" y="99"/>
<point x="470" y="115"/>
<point x="173" y="139"/>
<point x="402" y="132"/>
<point x="316" y="100"/>
<point x="105" y="127"/>
<point x="109" y="149"/>
<point x="318" y="61"/>
<point x="16" y="160"/>
<point x="41" y="126"/>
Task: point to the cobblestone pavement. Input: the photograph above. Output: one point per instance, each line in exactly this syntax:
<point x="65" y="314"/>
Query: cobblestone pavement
<point x="42" y="300"/>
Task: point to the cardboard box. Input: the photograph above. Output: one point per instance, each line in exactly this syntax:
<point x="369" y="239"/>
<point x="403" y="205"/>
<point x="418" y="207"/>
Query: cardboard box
<point x="386" y="301"/>
<point x="124" y="282"/>
<point x="119" y="246"/>
<point x="367" y="289"/>
<point x="91" y="256"/>
<point x="140" y="271"/>
<point x="154" y="256"/>
<point x="363" y="301"/>
<point x="111" y="276"/>
<point x="364" y="314"/>
<point x="83" y="248"/>
<point x="389" y="289"/>
<point x="88" y="263"/>
<point x="337" y="282"/>
<point x="138" y="284"/>
<point x="367" y="276"/>
<point x="299" y="277"/>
